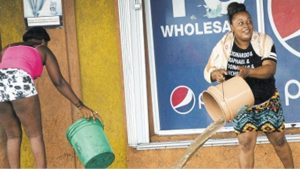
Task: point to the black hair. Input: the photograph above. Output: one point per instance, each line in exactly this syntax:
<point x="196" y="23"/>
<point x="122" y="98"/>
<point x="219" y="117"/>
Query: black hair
<point x="37" y="32"/>
<point x="234" y="8"/>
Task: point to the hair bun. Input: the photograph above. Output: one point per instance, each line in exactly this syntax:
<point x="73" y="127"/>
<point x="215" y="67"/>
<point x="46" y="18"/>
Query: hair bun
<point x="235" y="7"/>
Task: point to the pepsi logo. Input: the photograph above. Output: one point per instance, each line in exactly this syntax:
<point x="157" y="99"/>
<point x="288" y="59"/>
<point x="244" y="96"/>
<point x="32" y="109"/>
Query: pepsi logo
<point x="182" y="99"/>
<point x="284" y="17"/>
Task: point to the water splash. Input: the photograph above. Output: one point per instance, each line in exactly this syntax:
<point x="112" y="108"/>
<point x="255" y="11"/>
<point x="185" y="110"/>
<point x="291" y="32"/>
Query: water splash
<point x="199" y="141"/>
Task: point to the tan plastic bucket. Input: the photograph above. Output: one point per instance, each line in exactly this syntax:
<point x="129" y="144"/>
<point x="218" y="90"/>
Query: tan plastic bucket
<point x="224" y="100"/>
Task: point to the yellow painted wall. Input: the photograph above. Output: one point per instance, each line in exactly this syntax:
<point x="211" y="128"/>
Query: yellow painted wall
<point x="11" y="29"/>
<point x="100" y="60"/>
<point x="12" y="26"/>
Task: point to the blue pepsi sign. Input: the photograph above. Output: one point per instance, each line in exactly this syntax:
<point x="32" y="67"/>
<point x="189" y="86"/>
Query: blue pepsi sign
<point x="184" y="33"/>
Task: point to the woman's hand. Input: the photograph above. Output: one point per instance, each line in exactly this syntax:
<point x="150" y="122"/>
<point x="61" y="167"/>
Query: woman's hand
<point x="88" y="113"/>
<point x="218" y="75"/>
<point x="244" y="72"/>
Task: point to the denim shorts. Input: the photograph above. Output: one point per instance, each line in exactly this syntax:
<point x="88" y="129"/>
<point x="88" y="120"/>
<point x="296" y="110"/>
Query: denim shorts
<point x="15" y="84"/>
<point x="267" y="117"/>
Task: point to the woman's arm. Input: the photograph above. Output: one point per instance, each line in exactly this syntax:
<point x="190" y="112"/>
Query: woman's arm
<point x="61" y="84"/>
<point x="267" y="70"/>
<point x="2" y="52"/>
<point x="215" y="68"/>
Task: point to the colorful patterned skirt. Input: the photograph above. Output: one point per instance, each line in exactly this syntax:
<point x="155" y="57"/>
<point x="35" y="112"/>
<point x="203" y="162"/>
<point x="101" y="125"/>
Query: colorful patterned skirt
<point x="267" y="117"/>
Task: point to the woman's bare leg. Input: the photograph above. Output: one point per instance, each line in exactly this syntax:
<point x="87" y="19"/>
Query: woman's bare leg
<point x="11" y="124"/>
<point x="247" y="142"/>
<point x="282" y="148"/>
<point x="29" y="112"/>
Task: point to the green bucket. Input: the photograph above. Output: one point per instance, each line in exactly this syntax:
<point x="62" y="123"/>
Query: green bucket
<point x="90" y="143"/>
